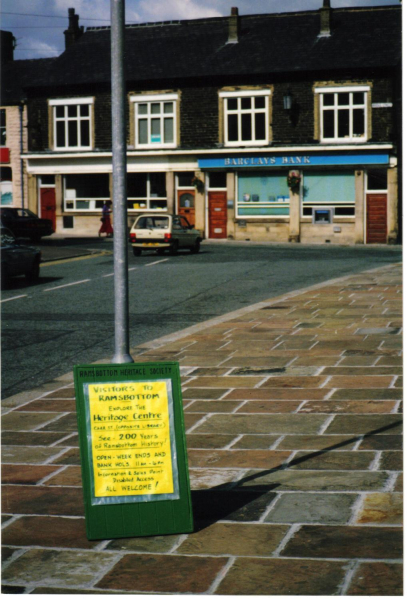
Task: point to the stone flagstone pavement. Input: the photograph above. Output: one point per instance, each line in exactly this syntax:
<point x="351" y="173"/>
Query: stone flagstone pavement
<point x="293" y="419"/>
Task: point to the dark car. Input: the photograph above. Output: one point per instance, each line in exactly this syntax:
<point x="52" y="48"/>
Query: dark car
<point x="24" y="223"/>
<point x="17" y="259"/>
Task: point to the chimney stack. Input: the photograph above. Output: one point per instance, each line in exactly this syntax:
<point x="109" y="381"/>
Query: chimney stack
<point x="8" y="43"/>
<point x="325" y="14"/>
<point x="73" y="32"/>
<point x="233" y="26"/>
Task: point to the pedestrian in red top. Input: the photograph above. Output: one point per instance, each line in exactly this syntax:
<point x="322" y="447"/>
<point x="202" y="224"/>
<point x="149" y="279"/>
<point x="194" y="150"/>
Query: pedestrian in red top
<point x="106" y="226"/>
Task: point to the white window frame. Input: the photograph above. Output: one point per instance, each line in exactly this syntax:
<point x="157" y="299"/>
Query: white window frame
<point x="145" y="202"/>
<point x="365" y="89"/>
<point x="149" y="100"/>
<point x="72" y="102"/>
<point x="239" y="111"/>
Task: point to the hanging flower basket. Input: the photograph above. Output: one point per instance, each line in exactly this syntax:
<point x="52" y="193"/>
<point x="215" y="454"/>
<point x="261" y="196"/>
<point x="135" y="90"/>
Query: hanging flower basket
<point x="294" y="180"/>
<point x="198" y="184"/>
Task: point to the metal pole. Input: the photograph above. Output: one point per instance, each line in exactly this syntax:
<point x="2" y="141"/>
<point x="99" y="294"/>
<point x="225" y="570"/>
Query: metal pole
<point x="121" y="292"/>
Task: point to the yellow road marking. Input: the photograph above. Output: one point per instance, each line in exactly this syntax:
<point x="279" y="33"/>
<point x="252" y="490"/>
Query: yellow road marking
<point x="65" y="260"/>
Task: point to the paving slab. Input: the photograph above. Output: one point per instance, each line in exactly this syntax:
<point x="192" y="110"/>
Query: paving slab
<point x="293" y="426"/>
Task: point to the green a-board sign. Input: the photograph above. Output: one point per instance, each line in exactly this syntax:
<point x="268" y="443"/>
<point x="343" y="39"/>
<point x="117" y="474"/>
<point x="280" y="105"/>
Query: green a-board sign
<point x="133" y="450"/>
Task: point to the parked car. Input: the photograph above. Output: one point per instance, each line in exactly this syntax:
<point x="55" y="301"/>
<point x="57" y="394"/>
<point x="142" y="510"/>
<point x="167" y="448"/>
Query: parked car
<point x="163" y="232"/>
<point x="17" y="259"/>
<point x="24" y="223"/>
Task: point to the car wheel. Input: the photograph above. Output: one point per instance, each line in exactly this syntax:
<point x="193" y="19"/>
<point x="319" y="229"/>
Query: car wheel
<point x="136" y="251"/>
<point x="34" y="273"/>
<point x="196" y="247"/>
<point x="174" y="248"/>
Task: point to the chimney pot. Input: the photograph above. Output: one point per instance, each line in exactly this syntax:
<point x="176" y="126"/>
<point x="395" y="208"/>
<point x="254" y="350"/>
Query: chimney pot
<point x="73" y="32"/>
<point x="233" y="37"/>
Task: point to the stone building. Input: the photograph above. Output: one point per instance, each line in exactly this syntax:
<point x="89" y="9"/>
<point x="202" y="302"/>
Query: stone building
<point x="273" y="127"/>
<point x="13" y="122"/>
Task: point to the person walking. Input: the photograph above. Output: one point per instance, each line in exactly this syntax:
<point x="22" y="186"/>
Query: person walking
<point x="106" y="226"/>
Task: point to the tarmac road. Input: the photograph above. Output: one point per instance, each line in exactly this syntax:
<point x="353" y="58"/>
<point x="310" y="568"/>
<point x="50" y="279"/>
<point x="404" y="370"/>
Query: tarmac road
<point x="68" y="317"/>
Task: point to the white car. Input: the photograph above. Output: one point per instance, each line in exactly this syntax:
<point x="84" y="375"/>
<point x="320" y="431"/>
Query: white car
<point x="163" y="232"/>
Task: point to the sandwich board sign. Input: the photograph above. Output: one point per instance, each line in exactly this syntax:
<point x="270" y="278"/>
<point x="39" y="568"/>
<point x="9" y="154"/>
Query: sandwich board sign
<point x="133" y="450"/>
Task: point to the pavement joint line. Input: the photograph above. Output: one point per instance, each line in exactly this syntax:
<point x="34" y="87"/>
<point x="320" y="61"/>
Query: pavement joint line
<point x="349" y="574"/>
<point x="276" y="442"/>
<point x="395" y="409"/>
<point x="324" y="383"/>
<point x="391" y="482"/>
<point x="326" y="424"/>
<point x="195" y="425"/>
<point x="64" y="439"/>
<point x="374" y="465"/>
<point x="178" y="543"/>
<point x="56" y="417"/>
<point x="393" y="383"/>
<point x="51" y="475"/>
<point x="270" y="507"/>
<point x="49" y="460"/>
<point x="301" y="405"/>
<point x="220" y="576"/>
<point x="290" y="533"/>
<point x="235" y="410"/>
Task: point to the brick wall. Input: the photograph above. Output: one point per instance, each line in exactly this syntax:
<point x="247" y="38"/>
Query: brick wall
<point x="199" y="127"/>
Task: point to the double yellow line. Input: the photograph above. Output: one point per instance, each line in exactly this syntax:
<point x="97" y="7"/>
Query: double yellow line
<point x="75" y="258"/>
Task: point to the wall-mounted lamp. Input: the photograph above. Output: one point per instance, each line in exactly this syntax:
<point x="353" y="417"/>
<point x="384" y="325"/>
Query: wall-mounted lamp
<point x="288" y="100"/>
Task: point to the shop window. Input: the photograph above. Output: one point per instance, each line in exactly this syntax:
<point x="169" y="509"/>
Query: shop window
<point x="217" y="180"/>
<point x="263" y="195"/>
<point x="343" y="113"/>
<point x="6" y="186"/>
<point x="328" y="190"/>
<point x="72" y="119"/>
<point x="246" y="117"/>
<point x="377" y="180"/>
<point x="146" y="191"/>
<point x="3" y="130"/>
<point x="86" y="192"/>
<point x="155" y="120"/>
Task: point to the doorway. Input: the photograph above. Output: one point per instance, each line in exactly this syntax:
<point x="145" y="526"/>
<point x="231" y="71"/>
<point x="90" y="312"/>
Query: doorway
<point x="376" y="218"/>
<point x="218" y="215"/>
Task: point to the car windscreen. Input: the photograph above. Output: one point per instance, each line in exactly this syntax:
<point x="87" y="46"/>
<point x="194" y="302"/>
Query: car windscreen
<point x="152" y="223"/>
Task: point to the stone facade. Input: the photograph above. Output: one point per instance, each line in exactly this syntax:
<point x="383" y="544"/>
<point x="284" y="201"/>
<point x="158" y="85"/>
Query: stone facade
<point x="14" y="120"/>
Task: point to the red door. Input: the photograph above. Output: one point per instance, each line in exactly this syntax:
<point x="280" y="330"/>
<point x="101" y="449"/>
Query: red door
<point x="376" y="222"/>
<point x="48" y="205"/>
<point x="218" y="215"/>
<point x="186" y="205"/>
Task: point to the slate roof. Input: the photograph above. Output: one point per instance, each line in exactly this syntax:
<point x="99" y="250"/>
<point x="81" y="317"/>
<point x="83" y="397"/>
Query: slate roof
<point x="17" y="74"/>
<point x="273" y="43"/>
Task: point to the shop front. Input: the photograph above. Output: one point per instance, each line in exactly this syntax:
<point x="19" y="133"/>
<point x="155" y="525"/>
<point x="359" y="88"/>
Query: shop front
<point x="342" y="197"/>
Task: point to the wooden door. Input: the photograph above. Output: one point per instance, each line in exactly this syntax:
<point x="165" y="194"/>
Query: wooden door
<point x="218" y="215"/>
<point x="186" y="205"/>
<point x="376" y="220"/>
<point x="48" y="204"/>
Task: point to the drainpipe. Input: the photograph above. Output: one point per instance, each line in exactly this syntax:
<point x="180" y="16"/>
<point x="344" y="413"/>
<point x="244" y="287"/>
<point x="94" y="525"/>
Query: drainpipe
<point x="21" y="109"/>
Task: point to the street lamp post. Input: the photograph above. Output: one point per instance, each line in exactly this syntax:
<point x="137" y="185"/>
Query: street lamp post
<point x="121" y="291"/>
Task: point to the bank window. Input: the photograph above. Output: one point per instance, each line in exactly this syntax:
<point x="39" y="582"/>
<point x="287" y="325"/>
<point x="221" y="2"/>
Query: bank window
<point x="343" y="114"/>
<point x="72" y="123"/>
<point x="6" y="186"/>
<point x="146" y="191"/>
<point x="262" y="195"/>
<point x="327" y="194"/>
<point x="3" y="131"/>
<point x="155" y="120"/>
<point x="246" y="117"/>
<point x="86" y="192"/>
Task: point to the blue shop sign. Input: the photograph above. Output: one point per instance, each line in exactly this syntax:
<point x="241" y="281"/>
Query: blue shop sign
<point x="294" y="160"/>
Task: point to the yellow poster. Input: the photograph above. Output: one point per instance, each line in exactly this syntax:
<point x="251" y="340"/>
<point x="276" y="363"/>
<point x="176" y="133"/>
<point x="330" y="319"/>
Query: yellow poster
<point x="130" y="438"/>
